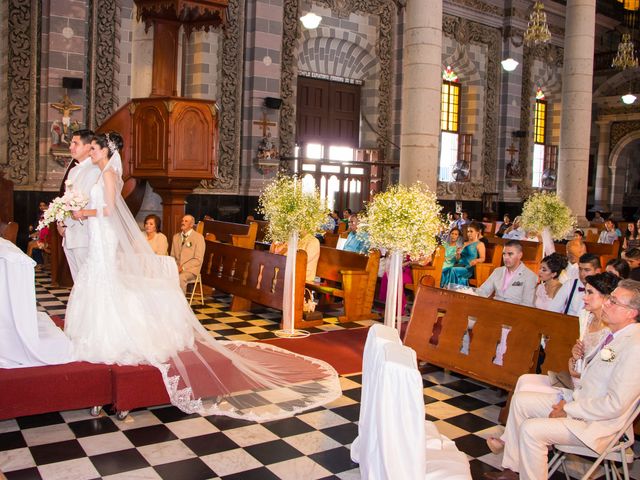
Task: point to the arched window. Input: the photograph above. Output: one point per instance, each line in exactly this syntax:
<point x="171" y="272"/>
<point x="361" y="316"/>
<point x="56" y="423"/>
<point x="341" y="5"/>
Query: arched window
<point x="449" y="124"/>
<point x="539" y="138"/>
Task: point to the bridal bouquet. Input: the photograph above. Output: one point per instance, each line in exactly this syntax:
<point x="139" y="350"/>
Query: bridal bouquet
<point x="63" y="207"/>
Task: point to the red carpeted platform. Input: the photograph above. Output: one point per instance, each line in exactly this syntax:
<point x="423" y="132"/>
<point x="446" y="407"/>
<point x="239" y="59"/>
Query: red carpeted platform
<point x="33" y="390"/>
<point x="342" y="349"/>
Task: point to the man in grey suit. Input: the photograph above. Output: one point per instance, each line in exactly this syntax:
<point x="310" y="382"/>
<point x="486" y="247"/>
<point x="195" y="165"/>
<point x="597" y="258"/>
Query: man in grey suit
<point x="514" y="282"/>
<point x="188" y="248"/>
<point x="81" y="176"/>
<point x="590" y="415"/>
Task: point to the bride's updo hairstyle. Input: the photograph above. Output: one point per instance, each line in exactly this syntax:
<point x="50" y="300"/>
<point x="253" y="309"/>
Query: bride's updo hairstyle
<point x="111" y="141"/>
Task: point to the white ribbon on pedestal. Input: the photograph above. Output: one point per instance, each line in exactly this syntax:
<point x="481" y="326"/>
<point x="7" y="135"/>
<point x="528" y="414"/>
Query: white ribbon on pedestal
<point x="288" y="311"/>
<point x="548" y="246"/>
<point x="393" y="306"/>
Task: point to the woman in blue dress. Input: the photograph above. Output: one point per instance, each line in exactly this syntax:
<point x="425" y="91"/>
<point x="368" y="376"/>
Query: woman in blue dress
<point x="467" y="257"/>
<point x="451" y="247"/>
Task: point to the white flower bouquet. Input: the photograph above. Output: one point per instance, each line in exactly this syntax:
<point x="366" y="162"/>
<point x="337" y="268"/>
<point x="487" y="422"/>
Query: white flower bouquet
<point x="63" y="207"/>
<point x="546" y="210"/>
<point x="404" y="219"/>
<point x="289" y="209"/>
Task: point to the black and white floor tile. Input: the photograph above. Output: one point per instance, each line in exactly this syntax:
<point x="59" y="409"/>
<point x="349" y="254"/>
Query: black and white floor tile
<point x="164" y="443"/>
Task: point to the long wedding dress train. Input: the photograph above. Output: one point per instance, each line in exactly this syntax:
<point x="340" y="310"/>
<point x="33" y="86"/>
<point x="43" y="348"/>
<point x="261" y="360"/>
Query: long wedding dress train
<point x="127" y="308"/>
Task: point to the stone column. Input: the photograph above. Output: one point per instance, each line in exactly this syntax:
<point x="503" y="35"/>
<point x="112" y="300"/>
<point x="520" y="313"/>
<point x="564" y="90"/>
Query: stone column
<point x="421" y="87"/>
<point x="575" y="127"/>
<point x="602" y="168"/>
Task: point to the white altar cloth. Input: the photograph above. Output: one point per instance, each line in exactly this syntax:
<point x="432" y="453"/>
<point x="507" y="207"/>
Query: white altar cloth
<point x="27" y="337"/>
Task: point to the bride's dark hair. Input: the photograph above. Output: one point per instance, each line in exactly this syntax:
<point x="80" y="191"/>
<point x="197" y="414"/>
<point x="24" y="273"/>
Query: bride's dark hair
<point x="111" y="141"/>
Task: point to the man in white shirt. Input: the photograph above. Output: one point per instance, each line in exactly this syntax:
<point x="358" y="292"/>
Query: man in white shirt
<point x="515" y="232"/>
<point x="591" y="414"/>
<point x="81" y="175"/>
<point x="569" y="299"/>
<point x="514" y="282"/>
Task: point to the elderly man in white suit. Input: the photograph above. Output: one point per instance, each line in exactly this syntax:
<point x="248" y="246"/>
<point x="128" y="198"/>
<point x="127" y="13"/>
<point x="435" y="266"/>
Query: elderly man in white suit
<point x="514" y="282"/>
<point x="608" y="392"/>
<point x="81" y="175"/>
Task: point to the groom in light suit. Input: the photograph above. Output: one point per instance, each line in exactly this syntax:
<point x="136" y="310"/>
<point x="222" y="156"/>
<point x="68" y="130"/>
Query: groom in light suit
<point x="591" y="414"/>
<point x="513" y="283"/>
<point x="81" y="175"/>
<point x="188" y="248"/>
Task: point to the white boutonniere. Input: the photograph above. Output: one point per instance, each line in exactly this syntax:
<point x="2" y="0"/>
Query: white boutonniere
<point x="607" y="354"/>
<point x="188" y="244"/>
<point x="68" y="183"/>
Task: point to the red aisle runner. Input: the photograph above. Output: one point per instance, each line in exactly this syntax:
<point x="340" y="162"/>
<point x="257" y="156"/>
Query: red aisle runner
<point x="342" y="349"/>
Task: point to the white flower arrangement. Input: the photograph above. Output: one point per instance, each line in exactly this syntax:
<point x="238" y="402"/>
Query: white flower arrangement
<point x="289" y="209"/>
<point x="546" y="210"/>
<point x="607" y="354"/>
<point x="403" y="219"/>
<point x="63" y="207"/>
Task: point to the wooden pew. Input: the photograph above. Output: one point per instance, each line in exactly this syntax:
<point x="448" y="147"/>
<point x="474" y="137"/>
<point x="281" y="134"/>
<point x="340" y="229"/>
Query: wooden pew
<point x="263" y="226"/>
<point x="331" y="239"/>
<point x="434" y="270"/>
<point x="349" y="276"/>
<point x="492" y="260"/>
<point x="440" y="318"/>
<point x="253" y="276"/>
<point x="237" y="234"/>
<point x="605" y="251"/>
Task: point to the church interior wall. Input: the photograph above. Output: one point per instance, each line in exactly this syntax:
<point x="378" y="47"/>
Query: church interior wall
<point x="4" y="80"/>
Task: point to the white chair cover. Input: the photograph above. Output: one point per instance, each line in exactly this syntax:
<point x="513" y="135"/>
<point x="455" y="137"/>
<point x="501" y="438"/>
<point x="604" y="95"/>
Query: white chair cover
<point x="27" y="337"/>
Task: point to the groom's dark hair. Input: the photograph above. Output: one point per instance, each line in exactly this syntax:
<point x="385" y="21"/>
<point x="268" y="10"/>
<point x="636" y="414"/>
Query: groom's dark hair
<point x="85" y="135"/>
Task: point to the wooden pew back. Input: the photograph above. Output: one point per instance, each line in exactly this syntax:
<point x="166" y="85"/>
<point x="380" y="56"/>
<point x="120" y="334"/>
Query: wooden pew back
<point x="493" y="259"/>
<point x="604" y="250"/>
<point x="263" y="227"/>
<point x="434" y="270"/>
<point x="237" y="234"/>
<point x="440" y="318"/>
<point x="356" y="274"/>
<point x="253" y="276"/>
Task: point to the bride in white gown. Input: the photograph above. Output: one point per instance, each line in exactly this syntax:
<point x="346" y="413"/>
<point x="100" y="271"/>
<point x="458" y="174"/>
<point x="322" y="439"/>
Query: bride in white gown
<point x="126" y="307"/>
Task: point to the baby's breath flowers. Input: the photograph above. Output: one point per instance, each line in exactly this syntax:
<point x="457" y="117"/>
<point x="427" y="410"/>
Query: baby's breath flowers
<point x="403" y="219"/>
<point x="546" y="210"/>
<point x="288" y="209"/>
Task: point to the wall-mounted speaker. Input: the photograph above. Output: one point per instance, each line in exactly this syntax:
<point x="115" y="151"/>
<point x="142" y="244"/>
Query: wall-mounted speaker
<point x="518" y="134"/>
<point x="271" y="102"/>
<point x="71" y="82"/>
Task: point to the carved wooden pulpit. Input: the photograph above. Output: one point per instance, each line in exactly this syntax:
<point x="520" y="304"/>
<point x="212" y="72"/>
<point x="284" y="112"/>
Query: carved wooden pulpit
<point x="170" y="141"/>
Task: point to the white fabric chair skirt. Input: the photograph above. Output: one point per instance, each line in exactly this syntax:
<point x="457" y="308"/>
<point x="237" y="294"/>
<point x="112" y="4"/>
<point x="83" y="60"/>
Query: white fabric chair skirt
<point x="394" y="441"/>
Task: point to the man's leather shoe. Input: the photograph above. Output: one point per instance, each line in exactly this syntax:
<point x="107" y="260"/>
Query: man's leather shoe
<point x="506" y="474"/>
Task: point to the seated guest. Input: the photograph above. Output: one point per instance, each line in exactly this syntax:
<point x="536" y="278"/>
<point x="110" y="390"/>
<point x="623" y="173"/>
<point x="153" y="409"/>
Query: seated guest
<point x="514" y="282"/>
<point x="336" y="219"/>
<point x="591" y="414"/>
<point x="593" y="331"/>
<point x="631" y="237"/>
<point x="358" y="243"/>
<point x="515" y="231"/>
<point x="568" y="300"/>
<point x="575" y="249"/>
<point x="451" y="247"/>
<point x="188" y="250"/>
<point x="157" y="240"/>
<point x="472" y="253"/>
<point x="506" y="223"/>
<point x="549" y="273"/>
<point x="632" y="257"/>
<point x="463" y="220"/>
<point x="346" y="214"/>
<point x="610" y="233"/>
<point x="310" y="244"/>
<point x="39" y="239"/>
<point x="620" y="268"/>
<point x="598" y="219"/>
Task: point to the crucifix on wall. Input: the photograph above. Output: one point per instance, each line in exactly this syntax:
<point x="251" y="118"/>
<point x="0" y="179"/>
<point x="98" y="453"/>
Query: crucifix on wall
<point x="265" y="124"/>
<point x="513" y="170"/>
<point x="267" y="151"/>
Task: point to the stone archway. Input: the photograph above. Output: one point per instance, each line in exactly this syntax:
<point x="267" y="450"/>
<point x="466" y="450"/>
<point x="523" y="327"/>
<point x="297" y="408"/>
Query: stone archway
<point x="624" y="166"/>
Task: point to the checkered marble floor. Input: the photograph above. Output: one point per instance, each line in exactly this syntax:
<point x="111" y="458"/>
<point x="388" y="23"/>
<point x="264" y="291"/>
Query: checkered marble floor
<point x="162" y="442"/>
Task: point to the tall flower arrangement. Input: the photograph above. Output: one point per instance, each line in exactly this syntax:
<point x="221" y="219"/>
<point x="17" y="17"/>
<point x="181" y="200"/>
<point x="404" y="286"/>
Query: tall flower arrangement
<point x="290" y="211"/>
<point x="404" y="220"/>
<point x="547" y="214"/>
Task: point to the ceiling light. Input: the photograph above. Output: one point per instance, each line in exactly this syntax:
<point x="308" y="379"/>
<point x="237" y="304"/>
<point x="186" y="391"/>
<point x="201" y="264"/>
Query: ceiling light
<point x="509" y="64"/>
<point x="310" y="20"/>
<point x="628" y="99"/>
